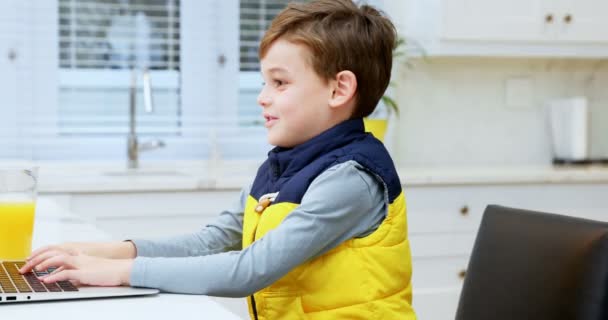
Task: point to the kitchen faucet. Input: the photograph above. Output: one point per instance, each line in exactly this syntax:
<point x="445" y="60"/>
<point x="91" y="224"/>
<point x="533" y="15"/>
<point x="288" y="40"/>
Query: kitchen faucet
<point x="133" y="146"/>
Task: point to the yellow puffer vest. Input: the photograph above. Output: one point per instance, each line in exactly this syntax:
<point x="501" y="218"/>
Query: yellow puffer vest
<point x="362" y="278"/>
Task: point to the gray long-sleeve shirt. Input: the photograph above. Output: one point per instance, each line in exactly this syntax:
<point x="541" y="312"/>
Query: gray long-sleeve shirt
<point x="344" y="202"/>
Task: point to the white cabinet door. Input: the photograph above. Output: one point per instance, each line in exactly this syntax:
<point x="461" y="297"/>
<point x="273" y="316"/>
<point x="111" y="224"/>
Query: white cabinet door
<point x="523" y="20"/>
<point x="436" y="304"/>
<point x="584" y="21"/>
<point x="151" y="215"/>
<point x="498" y="28"/>
<point x="443" y="223"/>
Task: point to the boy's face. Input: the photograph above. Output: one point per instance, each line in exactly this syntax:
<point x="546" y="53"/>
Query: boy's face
<point x="294" y="98"/>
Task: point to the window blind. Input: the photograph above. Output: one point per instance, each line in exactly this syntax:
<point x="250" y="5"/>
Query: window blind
<point x="66" y="93"/>
<point x="72" y="73"/>
<point x="102" y="43"/>
<point x="255" y="17"/>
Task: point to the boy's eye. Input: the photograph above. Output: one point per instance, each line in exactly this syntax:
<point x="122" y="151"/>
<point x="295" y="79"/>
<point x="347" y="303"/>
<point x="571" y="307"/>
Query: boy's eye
<point x="275" y="83"/>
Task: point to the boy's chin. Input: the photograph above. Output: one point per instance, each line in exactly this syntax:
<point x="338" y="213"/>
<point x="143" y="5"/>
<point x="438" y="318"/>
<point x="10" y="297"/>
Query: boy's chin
<point x="282" y="143"/>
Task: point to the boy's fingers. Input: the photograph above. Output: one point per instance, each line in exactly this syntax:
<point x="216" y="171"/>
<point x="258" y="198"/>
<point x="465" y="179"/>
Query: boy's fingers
<point x="26" y="268"/>
<point x="61" y="276"/>
<point x="76" y="283"/>
<point x="63" y="260"/>
<point x="57" y="270"/>
<point x="39" y="251"/>
<point x="38" y="259"/>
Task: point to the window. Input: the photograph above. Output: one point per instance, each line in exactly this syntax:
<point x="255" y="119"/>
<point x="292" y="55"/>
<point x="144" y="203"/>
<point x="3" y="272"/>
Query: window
<point x="102" y="44"/>
<point x="67" y="69"/>
<point x="255" y="17"/>
<point x="67" y="90"/>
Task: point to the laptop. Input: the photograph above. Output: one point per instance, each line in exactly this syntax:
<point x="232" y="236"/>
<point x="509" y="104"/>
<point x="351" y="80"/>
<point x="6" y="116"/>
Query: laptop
<point x="15" y="287"/>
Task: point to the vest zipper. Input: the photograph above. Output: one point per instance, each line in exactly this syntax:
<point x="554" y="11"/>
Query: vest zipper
<point x="271" y="197"/>
<point x="254" y="308"/>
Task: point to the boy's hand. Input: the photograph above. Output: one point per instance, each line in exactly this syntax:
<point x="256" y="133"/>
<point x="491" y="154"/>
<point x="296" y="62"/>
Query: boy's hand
<point x="112" y="250"/>
<point x="79" y="264"/>
<point x="83" y="269"/>
<point x="44" y="253"/>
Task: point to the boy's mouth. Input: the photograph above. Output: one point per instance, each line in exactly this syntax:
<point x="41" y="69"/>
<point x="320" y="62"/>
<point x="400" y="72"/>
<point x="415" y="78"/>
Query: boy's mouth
<point x="270" y="120"/>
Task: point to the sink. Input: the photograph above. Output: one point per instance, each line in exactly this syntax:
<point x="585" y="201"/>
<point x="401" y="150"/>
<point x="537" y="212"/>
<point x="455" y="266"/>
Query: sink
<point x="143" y="173"/>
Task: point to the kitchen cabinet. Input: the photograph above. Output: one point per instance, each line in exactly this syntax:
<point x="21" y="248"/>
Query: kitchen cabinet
<point x="518" y="20"/>
<point x="548" y="28"/>
<point x="148" y="215"/>
<point x="584" y="20"/>
<point x="443" y="222"/>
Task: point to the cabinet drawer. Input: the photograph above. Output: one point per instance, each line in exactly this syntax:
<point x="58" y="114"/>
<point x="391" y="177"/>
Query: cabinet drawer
<point x="443" y="209"/>
<point x="207" y="203"/>
<point x="438" y="273"/>
<point x="440" y="304"/>
<point x="460" y="208"/>
<point x="121" y="228"/>
<point x="433" y="245"/>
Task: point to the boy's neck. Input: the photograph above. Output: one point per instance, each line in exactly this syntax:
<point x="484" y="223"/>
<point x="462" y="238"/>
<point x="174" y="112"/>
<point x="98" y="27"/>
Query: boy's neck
<point x="352" y="124"/>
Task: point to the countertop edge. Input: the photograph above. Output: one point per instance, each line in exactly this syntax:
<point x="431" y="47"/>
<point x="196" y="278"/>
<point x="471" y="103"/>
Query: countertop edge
<point x="410" y="177"/>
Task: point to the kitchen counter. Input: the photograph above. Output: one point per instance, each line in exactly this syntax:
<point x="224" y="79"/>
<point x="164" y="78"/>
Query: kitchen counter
<point x="504" y="175"/>
<point x="179" y="176"/>
<point x="200" y="176"/>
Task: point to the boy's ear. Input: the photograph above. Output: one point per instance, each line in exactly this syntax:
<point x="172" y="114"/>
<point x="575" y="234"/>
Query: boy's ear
<point x="344" y="88"/>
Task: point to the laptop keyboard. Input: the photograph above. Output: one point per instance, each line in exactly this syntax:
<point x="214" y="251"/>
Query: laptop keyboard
<point x="11" y="281"/>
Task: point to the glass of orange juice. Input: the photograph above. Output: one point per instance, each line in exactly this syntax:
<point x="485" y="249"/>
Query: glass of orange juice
<point x="18" y="190"/>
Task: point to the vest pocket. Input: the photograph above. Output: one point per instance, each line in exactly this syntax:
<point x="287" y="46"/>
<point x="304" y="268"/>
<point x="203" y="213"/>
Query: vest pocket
<point x="283" y="305"/>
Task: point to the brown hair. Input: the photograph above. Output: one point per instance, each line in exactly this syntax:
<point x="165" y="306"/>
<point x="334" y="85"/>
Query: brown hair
<point x="341" y="36"/>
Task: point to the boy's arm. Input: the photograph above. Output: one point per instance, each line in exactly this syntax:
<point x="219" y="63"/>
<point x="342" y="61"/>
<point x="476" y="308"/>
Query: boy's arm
<point x="329" y="214"/>
<point x="223" y="234"/>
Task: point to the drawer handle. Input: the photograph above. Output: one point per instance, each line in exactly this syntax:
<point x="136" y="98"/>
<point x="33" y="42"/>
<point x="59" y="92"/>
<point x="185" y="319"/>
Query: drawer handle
<point x="464" y="210"/>
<point x="549" y="18"/>
<point x="568" y="18"/>
<point x="462" y="274"/>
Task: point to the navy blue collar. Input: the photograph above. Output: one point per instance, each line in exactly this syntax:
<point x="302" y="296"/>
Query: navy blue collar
<point x="285" y="162"/>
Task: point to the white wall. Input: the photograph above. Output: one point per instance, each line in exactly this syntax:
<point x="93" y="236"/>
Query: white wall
<point x="453" y="110"/>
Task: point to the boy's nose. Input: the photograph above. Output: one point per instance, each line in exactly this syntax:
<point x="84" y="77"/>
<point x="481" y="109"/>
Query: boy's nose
<point x="263" y="99"/>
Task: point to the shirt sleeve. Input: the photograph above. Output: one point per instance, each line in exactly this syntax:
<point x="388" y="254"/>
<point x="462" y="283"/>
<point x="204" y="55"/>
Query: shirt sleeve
<point x="328" y="215"/>
<point x="224" y="234"/>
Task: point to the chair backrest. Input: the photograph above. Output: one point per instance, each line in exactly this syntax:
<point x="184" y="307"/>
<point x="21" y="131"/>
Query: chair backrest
<point x="533" y="265"/>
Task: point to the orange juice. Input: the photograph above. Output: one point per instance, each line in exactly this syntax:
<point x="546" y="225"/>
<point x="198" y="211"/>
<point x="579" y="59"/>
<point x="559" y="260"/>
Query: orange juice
<point x="16" y="229"/>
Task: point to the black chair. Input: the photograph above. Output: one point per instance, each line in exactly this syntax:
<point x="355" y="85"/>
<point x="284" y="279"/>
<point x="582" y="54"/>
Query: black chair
<point x="532" y="265"/>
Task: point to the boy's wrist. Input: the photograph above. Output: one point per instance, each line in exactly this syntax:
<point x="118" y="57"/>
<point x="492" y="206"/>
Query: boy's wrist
<point x="125" y="271"/>
<point x="123" y="250"/>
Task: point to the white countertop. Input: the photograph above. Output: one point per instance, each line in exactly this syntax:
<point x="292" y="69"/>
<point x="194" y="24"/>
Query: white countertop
<point x="177" y="176"/>
<point x="503" y="175"/>
<point x="161" y="307"/>
<point x="199" y="176"/>
<point x="55" y="224"/>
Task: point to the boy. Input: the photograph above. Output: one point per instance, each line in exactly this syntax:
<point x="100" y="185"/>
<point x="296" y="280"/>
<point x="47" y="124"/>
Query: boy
<point x="321" y="233"/>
